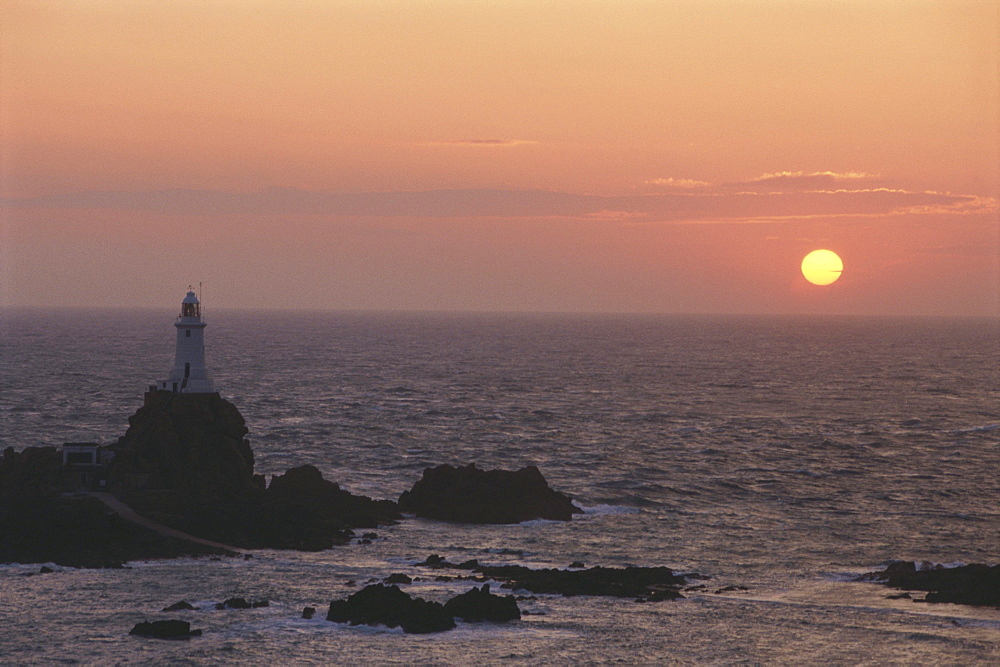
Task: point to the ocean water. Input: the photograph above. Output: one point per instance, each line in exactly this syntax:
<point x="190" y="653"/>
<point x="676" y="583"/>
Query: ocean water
<point x="783" y="454"/>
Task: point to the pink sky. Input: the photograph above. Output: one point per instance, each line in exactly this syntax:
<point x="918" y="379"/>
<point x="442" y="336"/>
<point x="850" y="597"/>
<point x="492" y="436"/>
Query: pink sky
<point x="551" y="156"/>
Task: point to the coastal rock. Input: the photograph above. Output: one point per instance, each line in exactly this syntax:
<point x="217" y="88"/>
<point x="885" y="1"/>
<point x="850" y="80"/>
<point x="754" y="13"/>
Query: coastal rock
<point x="308" y="612"/>
<point x="387" y="605"/>
<point x="40" y="525"/>
<point x="471" y="495"/>
<point x="306" y="512"/>
<point x="975" y="584"/>
<point x="479" y="604"/>
<point x="185" y="462"/>
<point x="233" y="603"/>
<point x="652" y="584"/>
<point x="183" y="605"/>
<point x="164" y="630"/>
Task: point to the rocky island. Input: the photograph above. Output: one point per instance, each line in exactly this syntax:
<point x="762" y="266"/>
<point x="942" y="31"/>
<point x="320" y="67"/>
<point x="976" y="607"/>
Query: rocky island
<point x="185" y="463"/>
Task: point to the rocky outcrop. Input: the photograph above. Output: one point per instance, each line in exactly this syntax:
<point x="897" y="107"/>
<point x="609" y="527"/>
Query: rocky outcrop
<point x="183" y="605"/>
<point x="975" y="584"/>
<point x="387" y="605"/>
<point x="304" y="511"/>
<point x="470" y="495"/>
<point x="39" y="525"/>
<point x="185" y="462"/>
<point x="165" y="630"/>
<point x="652" y="584"/>
<point x="479" y="605"/>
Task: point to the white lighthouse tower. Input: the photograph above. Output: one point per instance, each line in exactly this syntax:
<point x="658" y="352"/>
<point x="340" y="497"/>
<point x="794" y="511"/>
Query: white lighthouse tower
<point x="190" y="375"/>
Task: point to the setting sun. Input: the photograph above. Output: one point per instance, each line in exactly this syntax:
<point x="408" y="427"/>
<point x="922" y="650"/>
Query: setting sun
<point x="822" y="267"/>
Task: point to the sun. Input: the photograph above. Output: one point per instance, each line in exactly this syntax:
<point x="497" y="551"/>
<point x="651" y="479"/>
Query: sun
<point x="822" y="267"/>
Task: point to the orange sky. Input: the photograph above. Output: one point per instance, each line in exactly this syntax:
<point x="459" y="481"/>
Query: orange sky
<point x="570" y="155"/>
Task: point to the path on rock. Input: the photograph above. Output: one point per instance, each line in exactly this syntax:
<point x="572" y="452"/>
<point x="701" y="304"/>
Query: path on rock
<point x="129" y="514"/>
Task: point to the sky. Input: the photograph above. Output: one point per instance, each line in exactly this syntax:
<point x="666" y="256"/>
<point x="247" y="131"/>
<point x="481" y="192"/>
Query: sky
<point x="567" y="156"/>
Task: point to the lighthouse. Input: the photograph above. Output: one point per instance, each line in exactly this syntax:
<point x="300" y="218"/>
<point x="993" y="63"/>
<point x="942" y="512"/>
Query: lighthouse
<point x="190" y="375"/>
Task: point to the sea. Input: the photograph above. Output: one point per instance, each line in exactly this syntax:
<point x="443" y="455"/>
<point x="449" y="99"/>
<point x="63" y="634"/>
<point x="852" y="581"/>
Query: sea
<point x="778" y="456"/>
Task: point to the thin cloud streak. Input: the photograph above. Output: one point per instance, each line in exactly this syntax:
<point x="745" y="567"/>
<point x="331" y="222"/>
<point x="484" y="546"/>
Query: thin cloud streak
<point x="660" y="207"/>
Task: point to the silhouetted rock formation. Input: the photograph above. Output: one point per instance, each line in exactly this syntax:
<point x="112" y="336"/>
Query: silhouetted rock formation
<point x="305" y="511"/>
<point x="974" y="584"/>
<point x="39" y="525"/>
<point x="391" y="607"/>
<point x="470" y="495"/>
<point x="652" y="584"/>
<point x="185" y="462"/>
<point x="165" y="630"/>
<point x="479" y="605"/>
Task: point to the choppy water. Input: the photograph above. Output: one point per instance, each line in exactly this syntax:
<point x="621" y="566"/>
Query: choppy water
<point x="783" y="454"/>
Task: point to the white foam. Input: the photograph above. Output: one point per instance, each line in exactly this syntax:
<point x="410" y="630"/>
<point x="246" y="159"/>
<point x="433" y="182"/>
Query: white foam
<point x="979" y="429"/>
<point x="601" y="510"/>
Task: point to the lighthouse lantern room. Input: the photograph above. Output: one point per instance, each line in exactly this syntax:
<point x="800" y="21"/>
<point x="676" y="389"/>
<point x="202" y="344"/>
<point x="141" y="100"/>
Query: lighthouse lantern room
<point x="190" y="375"/>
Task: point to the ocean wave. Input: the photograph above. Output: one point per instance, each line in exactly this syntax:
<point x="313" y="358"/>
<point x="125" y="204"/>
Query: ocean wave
<point x="603" y="510"/>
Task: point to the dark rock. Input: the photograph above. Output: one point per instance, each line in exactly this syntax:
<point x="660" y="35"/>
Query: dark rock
<point x="308" y="612"/>
<point x="45" y="569"/>
<point x="659" y="583"/>
<point x="257" y="604"/>
<point x="389" y="606"/>
<point x="479" y="604"/>
<point x="183" y="605"/>
<point x="305" y="511"/>
<point x="190" y="458"/>
<point x="39" y="525"/>
<point x="975" y="584"/>
<point x="184" y="461"/>
<point x="724" y="589"/>
<point x="369" y="536"/>
<point x="664" y="594"/>
<point x="398" y="578"/>
<point x="470" y="495"/>
<point x="435" y="561"/>
<point x="577" y="565"/>
<point x="164" y="630"/>
<point x="233" y="603"/>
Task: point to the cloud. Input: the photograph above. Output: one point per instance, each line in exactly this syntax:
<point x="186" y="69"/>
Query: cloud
<point x="673" y="206"/>
<point x="605" y="214"/>
<point x="680" y="183"/>
<point x="784" y="181"/>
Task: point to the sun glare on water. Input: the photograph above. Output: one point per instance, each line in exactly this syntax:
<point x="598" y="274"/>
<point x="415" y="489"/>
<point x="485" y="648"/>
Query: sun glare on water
<point x="822" y="267"/>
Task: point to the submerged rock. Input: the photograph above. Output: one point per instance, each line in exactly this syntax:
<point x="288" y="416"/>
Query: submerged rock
<point x="470" y="495"/>
<point x="652" y="584"/>
<point x="183" y="605"/>
<point x="975" y="584"/>
<point x="387" y="605"/>
<point x="233" y="603"/>
<point x="165" y="630"/>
